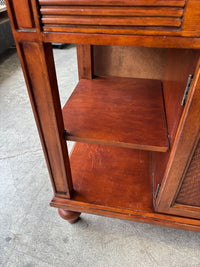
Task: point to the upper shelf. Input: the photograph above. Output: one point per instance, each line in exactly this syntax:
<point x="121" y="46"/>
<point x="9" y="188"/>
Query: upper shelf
<point x="125" y="112"/>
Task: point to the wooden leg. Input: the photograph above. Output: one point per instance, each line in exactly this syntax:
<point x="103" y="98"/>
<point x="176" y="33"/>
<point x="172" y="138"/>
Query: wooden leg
<point x="70" y="216"/>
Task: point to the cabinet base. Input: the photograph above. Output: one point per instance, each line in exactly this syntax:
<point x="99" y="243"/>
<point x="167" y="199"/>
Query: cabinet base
<point x="70" y="210"/>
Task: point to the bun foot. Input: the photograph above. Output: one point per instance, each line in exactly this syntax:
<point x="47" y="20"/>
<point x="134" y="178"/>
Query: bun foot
<point x="70" y="216"/>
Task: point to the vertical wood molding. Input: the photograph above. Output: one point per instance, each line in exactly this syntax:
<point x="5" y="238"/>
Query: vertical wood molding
<point x="23" y="17"/>
<point x="84" y="58"/>
<point x="38" y="65"/>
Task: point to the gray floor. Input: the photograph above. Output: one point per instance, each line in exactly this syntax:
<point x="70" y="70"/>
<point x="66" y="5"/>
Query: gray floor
<point x="31" y="233"/>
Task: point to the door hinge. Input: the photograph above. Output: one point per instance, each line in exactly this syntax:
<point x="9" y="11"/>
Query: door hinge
<point x="157" y="190"/>
<point x="187" y="88"/>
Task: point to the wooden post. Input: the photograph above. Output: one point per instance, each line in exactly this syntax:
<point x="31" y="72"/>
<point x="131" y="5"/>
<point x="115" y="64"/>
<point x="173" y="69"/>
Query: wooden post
<point x="38" y="67"/>
<point x="84" y="58"/>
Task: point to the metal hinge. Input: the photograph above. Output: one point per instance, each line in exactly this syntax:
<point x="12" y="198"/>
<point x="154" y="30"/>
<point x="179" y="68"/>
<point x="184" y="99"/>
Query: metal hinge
<point x="157" y="190"/>
<point x="187" y="88"/>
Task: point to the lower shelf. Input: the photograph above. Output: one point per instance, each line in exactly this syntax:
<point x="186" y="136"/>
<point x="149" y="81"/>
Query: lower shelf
<point x="116" y="182"/>
<point x="111" y="176"/>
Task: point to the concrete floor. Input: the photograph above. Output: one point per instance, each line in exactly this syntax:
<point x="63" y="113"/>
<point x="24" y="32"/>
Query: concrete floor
<point x="31" y="233"/>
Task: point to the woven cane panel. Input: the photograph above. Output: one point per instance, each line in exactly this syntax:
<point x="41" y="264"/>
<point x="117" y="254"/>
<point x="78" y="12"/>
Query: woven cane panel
<point x="190" y="190"/>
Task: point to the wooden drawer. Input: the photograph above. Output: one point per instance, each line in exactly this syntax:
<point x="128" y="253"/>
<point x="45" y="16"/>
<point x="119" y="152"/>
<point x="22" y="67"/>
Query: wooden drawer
<point x="159" y="17"/>
<point x="85" y="14"/>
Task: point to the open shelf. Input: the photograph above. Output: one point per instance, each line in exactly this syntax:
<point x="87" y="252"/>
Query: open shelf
<point x="112" y="176"/>
<point x="125" y="112"/>
<point x="116" y="182"/>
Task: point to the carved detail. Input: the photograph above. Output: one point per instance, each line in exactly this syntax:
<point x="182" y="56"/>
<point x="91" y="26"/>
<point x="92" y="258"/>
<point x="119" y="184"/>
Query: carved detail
<point x="120" y="14"/>
<point x="23" y="16"/>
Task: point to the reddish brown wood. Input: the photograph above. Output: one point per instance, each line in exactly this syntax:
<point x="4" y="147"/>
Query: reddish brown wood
<point x="165" y="18"/>
<point x="178" y="3"/>
<point x="131" y="215"/>
<point x="124" y="189"/>
<point x="39" y="71"/>
<point x="42" y="85"/>
<point x="114" y="11"/>
<point x="131" y="32"/>
<point x="123" y="38"/>
<point x="185" y="142"/>
<point x="70" y="216"/>
<point x="84" y="59"/>
<point x="100" y="175"/>
<point x="179" y="64"/>
<point x="186" y="211"/>
<point x="191" y="25"/>
<point x="23" y="17"/>
<point x="117" y="111"/>
<point x="106" y="20"/>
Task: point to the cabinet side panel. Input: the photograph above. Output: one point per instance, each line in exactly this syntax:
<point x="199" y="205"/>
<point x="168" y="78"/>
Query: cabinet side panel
<point x="189" y="193"/>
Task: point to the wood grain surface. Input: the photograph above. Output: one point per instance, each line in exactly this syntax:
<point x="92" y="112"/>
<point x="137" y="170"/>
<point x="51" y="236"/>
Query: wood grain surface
<point x="158" y="18"/>
<point x="185" y="143"/>
<point x="112" y="11"/>
<point x="124" y="189"/>
<point x="116" y="182"/>
<point x="23" y="17"/>
<point x="177" y="3"/>
<point x="101" y="173"/>
<point x="117" y="111"/>
<point x="84" y="61"/>
<point x="179" y="64"/>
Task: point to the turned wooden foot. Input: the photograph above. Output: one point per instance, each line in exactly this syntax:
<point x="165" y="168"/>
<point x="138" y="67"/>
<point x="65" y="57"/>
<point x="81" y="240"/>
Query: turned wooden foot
<point x="70" y="216"/>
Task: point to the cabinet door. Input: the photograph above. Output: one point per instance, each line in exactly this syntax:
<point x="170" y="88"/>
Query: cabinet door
<point x="180" y="189"/>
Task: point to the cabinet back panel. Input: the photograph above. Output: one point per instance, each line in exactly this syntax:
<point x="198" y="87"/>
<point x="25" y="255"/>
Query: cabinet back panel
<point x="127" y="61"/>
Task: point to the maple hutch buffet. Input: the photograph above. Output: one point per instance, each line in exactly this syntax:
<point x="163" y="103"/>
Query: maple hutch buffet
<point x="135" y="119"/>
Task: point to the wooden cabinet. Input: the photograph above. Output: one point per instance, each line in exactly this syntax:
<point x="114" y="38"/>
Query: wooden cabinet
<point x="136" y="155"/>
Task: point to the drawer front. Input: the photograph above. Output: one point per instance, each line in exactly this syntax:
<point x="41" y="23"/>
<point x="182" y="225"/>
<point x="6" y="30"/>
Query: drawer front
<point x="107" y="16"/>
